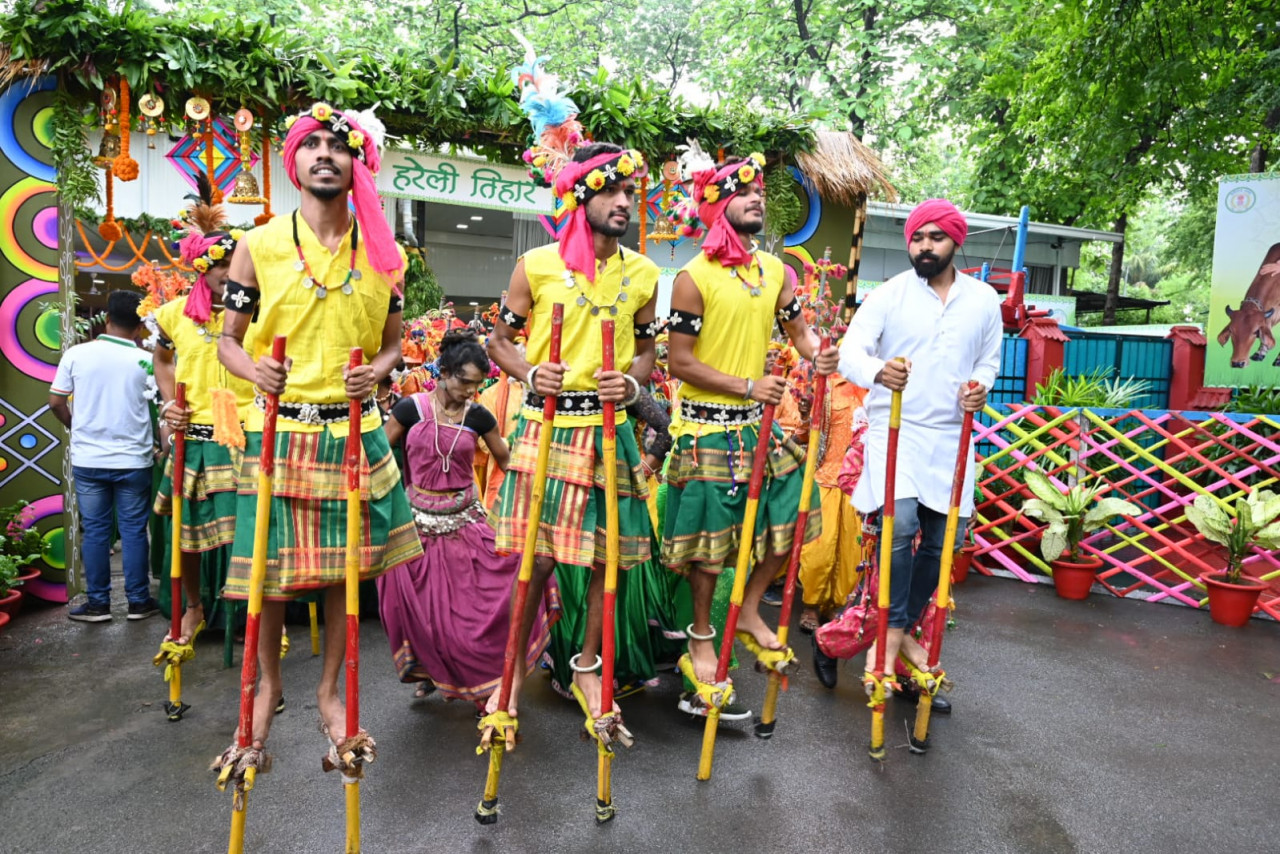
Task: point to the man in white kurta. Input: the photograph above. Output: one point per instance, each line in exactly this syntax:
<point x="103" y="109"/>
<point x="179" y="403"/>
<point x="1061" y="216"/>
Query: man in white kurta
<point x="948" y="328"/>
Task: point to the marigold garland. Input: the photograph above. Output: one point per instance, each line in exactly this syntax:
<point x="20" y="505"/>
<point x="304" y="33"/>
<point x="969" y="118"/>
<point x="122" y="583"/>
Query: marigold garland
<point x="208" y="162"/>
<point x="124" y="166"/>
<point x="109" y="229"/>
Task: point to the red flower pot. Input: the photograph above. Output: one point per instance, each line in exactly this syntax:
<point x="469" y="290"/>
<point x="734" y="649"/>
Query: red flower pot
<point x="31" y="574"/>
<point x="962" y="562"/>
<point x="1074" y="580"/>
<point x="1231" y="604"/>
<point x="4" y="621"/>
<point x="9" y="604"/>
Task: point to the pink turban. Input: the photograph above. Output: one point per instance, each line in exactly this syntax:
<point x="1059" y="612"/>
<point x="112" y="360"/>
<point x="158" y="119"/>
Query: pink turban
<point x="941" y="213"/>
<point x="380" y="244"/>
<point x="712" y="190"/>
<point x="195" y="247"/>
<point x="576" y="184"/>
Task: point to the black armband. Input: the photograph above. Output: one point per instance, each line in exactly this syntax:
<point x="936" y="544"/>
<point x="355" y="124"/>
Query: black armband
<point x="241" y="299"/>
<point x="163" y="341"/>
<point x="686" y="322"/>
<point x="509" y="317"/>
<point x="650" y="329"/>
<point x="397" y="304"/>
<point x="790" y="311"/>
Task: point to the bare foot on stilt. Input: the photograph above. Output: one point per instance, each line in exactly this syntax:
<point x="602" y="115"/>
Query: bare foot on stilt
<point x="750" y="621"/>
<point x="333" y="717"/>
<point x="914" y="652"/>
<point x="590" y="686"/>
<point x="192" y="616"/>
<point x="703" y="655"/>
<point x="491" y="706"/>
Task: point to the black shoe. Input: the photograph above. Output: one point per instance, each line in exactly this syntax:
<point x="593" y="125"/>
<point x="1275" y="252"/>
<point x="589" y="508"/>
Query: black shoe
<point x="773" y="596"/>
<point x="90" y="613"/>
<point x="911" y="693"/>
<point x="142" y="610"/>
<point x="827" y="668"/>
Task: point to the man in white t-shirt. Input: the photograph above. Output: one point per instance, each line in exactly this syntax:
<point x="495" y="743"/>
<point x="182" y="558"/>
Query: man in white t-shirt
<point x="111" y="455"/>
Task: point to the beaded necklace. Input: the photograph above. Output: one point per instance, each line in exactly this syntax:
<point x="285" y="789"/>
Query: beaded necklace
<point x="309" y="278"/>
<point x="754" y="288"/>
<point x="571" y="281"/>
<point x="437" y="409"/>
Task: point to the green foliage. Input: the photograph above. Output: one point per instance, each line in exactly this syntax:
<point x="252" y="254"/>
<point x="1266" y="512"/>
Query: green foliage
<point x="77" y="175"/>
<point x="1071" y="514"/>
<point x="422" y="292"/>
<point x="1256" y="400"/>
<point x="1097" y="389"/>
<point x="1255" y="522"/>
<point x="20" y="543"/>
<point x="430" y="98"/>
<point x="782" y="207"/>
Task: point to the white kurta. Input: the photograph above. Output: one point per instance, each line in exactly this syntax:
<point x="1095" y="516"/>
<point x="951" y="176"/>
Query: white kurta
<point x="948" y="345"/>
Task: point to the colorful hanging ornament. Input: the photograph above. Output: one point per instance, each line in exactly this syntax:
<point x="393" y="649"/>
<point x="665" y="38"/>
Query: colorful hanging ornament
<point x="246" y="190"/>
<point x="152" y="108"/>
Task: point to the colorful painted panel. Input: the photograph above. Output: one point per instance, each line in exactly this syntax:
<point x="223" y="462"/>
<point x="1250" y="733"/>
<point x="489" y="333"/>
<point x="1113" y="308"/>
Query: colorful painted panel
<point x="188" y="156"/>
<point x="31" y="439"/>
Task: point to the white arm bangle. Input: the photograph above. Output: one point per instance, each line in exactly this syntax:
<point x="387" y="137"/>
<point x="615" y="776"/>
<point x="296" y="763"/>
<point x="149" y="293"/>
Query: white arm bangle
<point x="528" y="378"/>
<point x="164" y="407"/>
<point x="635" y="389"/>
<point x="746" y="395"/>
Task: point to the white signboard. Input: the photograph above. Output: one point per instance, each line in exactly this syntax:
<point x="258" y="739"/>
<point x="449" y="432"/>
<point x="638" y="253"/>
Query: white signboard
<point x="474" y="183"/>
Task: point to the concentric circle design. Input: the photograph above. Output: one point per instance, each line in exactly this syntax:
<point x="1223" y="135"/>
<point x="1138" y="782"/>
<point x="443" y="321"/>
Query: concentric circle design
<point x="54" y="551"/>
<point x="11" y="204"/>
<point x="10" y="343"/>
<point x="45" y="227"/>
<point x="810" y="226"/>
<point x="49" y="329"/>
<point x="14" y="137"/>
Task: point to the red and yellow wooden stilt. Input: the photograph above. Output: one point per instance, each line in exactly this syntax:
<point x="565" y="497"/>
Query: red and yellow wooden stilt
<point x="777" y="677"/>
<point x="746" y="547"/>
<point x="172" y="654"/>
<point x="604" y="783"/>
<point x="934" y="679"/>
<point x="351" y="463"/>
<point x="877" y="681"/>
<point x="257" y="578"/>
<point x="498" y="730"/>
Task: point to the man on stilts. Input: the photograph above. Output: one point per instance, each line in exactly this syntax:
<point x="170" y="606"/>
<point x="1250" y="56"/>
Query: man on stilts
<point x="186" y="334"/>
<point x="594" y="278"/>
<point x="328" y="282"/>
<point x="947" y="327"/>
<point x="723" y="309"/>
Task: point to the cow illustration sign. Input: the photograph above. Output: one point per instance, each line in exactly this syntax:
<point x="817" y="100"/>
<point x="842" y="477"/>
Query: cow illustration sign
<point x="1244" y="306"/>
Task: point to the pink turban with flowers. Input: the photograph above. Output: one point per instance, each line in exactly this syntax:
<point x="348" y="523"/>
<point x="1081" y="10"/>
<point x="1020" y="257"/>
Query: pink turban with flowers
<point x="380" y="244"/>
<point x="576" y="184"/>
<point x="712" y="190"/>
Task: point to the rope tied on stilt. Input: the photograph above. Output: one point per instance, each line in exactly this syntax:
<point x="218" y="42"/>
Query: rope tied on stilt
<point x="711" y="694"/>
<point x="498" y="726"/>
<point x="608" y="729"/>
<point x="173" y="654"/>
<point x="239" y="765"/>
<point x="777" y="660"/>
<point x="351" y="756"/>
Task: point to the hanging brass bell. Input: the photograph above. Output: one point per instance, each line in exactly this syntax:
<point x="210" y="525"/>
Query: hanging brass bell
<point x="246" y="191"/>
<point x="108" y="150"/>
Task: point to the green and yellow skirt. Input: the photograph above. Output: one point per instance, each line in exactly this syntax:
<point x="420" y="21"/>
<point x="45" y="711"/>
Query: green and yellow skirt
<point x="208" y="495"/>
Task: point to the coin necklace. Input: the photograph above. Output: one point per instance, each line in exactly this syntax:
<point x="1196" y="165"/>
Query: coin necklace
<point x="571" y="281"/>
<point x="754" y="288"/>
<point x="309" y="278"/>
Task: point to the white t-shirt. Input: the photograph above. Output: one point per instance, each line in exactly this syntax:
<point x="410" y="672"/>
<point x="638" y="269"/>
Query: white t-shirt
<point x="110" y="424"/>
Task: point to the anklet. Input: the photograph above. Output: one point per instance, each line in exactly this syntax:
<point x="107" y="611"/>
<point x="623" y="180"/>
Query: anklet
<point x="573" y="664"/>
<point x="689" y="632"/>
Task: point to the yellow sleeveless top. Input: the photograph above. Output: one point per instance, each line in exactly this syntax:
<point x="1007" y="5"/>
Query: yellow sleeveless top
<point x="196" y="360"/>
<point x="321" y="332"/>
<point x="580" y="344"/>
<point x="736" y="327"/>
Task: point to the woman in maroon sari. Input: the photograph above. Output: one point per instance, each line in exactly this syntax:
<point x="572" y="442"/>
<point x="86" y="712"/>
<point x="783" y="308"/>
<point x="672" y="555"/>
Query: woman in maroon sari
<point x="446" y="614"/>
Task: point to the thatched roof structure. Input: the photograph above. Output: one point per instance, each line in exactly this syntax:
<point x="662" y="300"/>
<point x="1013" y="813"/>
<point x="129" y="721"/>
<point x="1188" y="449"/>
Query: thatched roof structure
<point x="842" y="169"/>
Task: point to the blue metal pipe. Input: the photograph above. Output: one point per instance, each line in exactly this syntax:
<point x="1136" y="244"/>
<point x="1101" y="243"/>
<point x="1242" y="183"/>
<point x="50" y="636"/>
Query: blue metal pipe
<point x="1020" y="248"/>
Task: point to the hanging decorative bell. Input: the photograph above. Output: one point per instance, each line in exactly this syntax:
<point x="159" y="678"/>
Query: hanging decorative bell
<point x="246" y="191"/>
<point x="108" y="150"/>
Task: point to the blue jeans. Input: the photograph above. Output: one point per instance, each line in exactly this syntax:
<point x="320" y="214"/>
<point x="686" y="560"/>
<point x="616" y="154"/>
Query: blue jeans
<point x="914" y="575"/>
<point x="127" y="492"/>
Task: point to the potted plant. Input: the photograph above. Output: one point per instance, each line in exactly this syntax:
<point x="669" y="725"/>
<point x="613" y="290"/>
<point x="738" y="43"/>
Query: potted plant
<point x="20" y="545"/>
<point x="1070" y="515"/>
<point x="1232" y="596"/>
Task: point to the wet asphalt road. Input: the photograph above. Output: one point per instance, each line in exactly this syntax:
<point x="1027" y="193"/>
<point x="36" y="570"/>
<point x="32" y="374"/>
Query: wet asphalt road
<point x="1102" y="726"/>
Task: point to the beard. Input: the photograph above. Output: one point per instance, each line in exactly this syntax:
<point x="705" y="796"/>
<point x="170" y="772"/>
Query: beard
<point x="927" y="265"/>
<point x="325" y="193"/>
<point x="604" y="224"/>
<point x="744" y="226"/>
